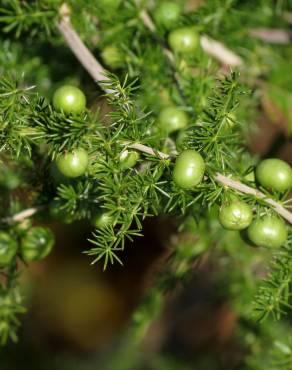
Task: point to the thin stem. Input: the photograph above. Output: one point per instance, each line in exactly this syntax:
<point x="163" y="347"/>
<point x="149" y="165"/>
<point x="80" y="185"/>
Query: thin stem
<point x="82" y="53"/>
<point x="220" y="52"/>
<point x="22" y="215"/>
<point x="147" y="149"/>
<point x="226" y="181"/>
<point x="147" y="21"/>
<point x="272" y="35"/>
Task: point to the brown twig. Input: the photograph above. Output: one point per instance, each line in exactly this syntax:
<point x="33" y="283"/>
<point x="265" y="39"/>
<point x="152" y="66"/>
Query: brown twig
<point x="272" y="35"/>
<point x="220" y="52"/>
<point x="82" y="53"/>
<point x="27" y="213"/>
<point x="147" y="149"/>
<point x="222" y="179"/>
<point x="226" y="181"/>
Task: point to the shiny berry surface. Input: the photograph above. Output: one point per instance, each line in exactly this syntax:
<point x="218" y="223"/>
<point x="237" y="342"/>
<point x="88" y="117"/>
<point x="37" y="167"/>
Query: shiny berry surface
<point x="184" y="40"/>
<point x="274" y="174"/>
<point x="167" y="13"/>
<point x="268" y="231"/>
<point x="73" y="164"/>
<point x="235" y="215"/>
<point x="189" y="169"/>
<point x="69" y="99"/>
<point x="37" y="243"/>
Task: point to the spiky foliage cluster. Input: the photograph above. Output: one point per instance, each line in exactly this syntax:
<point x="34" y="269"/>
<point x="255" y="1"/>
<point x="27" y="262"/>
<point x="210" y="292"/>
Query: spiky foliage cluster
<point x="220" y="111"/>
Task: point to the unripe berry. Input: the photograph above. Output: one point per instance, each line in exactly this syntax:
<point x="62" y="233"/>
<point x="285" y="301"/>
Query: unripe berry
<point x="184" y="40"/>
<point x="69" y="99"/>
<point x="189" y="169"/>
<point x="73" y="164"/>
<point x="268" y="231"/>
<point x="274" y="174"/>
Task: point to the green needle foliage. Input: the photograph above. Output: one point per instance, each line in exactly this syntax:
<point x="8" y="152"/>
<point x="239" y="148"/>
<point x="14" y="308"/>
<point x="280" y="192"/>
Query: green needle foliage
<point x="274" y="295"/>
<point x="10" y="307"/>
<point x="221" y="108"/>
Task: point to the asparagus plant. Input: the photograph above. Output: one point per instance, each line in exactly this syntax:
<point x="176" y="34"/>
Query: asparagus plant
<point x="183" y="87"/>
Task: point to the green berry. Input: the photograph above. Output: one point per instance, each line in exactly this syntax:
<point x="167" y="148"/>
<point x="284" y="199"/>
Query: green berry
<point x="37" y="243"/>
<point x="167" y="13"/>
<point x="274" y="174"/>
<point x="101" y="219"/>
<point x="268" y="231"/>
<point x="184" y="40"/>
<point x="172" y="119"/>
<point x="69" y="99"/>
<point x="189" y="169"/>
<point x="236" y="215"/>
<point x="8" y="249"/>
<point x="73" y="164"/>
<point x="128" y="159"/>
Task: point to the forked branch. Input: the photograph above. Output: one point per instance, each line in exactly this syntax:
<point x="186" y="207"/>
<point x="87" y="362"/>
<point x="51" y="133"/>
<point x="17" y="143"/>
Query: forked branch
<point x="226" y="181"/>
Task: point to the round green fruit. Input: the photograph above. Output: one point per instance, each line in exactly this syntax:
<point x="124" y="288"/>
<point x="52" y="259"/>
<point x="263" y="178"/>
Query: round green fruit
<point x="101" y="219"/>
<point x="69" y="99"/>
<point x="274" y="174"/>
<point x="37" y="243"/>
<point x="112" y="57"/>
<point x="73" y="164"/>
<point x="189" y="169"/>
<point x="268" y="231"/>
<point x="172" y="119"/>
<point x="8" y="249"/>
<point x="167" y="13"/>
<point x="236" y="215"/>
<point x="128" y="159"/>
<point x="184" y="40"/>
